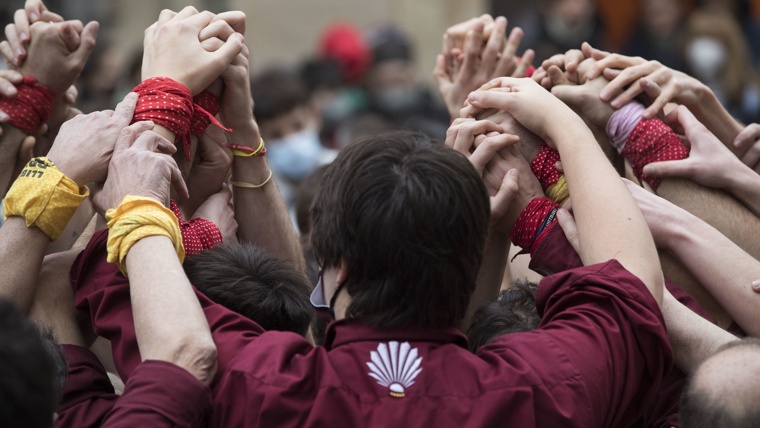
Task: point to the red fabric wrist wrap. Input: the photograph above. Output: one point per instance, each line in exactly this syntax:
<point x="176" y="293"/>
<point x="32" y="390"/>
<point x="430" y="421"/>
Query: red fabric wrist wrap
<point x="31" y="107"/>
<point x="170" y="104"/>
<point x="533" y="223"/>
<point x="206" y="108"/>
<point x="652" y="141"/>
<point x="544" y="166"/>
<point x="197" y="234"/>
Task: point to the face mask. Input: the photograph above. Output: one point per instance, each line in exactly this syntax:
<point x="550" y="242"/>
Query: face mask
<point x="296" y="155"/>
<point x="706" y="57"/>
<point x="398" y="99"/>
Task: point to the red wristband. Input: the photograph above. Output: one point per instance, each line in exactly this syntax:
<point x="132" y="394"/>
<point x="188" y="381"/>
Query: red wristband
<point x="652" y="141"/>
<point x="544" y="166"/>
<point x="197" y="234"/>
<point x="31" y="107"/>
<point x="533" y="223"/>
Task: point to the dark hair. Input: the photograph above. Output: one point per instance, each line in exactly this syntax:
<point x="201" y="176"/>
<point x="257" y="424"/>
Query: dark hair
<point x="514" y="311"/>
<point x="699" y="408"/>
<point x="60" y="368"/>
<point x="277" y="92"/>
<point x="27" y="379"/>
<point x="305" y="194"/>
<point x="255" y="284"/>
<point x="409" y="216"/>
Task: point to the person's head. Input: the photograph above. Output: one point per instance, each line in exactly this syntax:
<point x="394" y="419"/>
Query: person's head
<point x="288" y="123"/>
<point x="724" y="391"/>
<point x="28" y="385"/>
<point x="514" y="311"/>
<point x="255" y="284"/>
<point x="400" y="221"/>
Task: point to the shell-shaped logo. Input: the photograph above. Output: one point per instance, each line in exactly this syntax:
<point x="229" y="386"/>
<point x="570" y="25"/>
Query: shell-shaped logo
<point x="395" y="366"/>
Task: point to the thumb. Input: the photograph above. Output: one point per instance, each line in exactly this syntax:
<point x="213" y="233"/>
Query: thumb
<point x="87" y="41"/>
<point x="572" y="95"/>
<point x="231" y="48"/>
<point x="677" y="168"/>
<point x="125" y="110"/>
<point x="507" y="192"/>
<point x="439" y="72"/>
<point x="567" y="223"/>
<point x="557" y="76"/>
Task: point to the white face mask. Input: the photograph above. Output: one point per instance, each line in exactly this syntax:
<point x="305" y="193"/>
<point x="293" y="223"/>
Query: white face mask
<point x="706" y="57"/>
<point x="295" y="156"/>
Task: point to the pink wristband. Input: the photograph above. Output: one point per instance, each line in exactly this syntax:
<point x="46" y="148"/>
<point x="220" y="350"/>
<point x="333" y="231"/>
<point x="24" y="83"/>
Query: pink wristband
<point x="622" y="123"/>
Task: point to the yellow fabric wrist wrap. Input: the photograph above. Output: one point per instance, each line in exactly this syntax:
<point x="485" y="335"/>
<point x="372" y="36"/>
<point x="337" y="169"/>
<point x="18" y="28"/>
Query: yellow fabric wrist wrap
<point x="136" y="218"/>
<point x="45" y="197"/>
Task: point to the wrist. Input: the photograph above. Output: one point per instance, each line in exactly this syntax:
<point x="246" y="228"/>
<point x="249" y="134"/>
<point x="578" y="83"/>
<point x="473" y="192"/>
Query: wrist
<point x="742" y="181"/>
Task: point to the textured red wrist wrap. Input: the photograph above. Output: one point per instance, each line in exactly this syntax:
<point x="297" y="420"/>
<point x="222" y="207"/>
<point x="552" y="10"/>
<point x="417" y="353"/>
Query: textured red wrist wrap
<point x="167" y="103"/>
<point x="197" y="234"/>
<point x="31" y="106"/>
<point x="652" y="141"/>
<point x="206" y="108"/>
<point x="533" y="223"/>
<point x="544" y="166"/>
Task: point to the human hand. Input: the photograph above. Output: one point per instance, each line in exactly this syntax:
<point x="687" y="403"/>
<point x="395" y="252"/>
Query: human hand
<point x="583" y="98"/>
<point x="236" y="102"/>
<point x="710" y="163"/>
<point x="747" y="142"/>
<point x="208" y="175"/>
<point x="632" y="76"/>
<point x="530" y="104"/>
<point x="218" y="210"/>
<point x="141" y="165"/>
<point x="8" y="81"/>
<point x="84" y="145"/>
<point x="58" y="52"/>
<point x="173" y="48"/>
<point x="18" y="33"/>
<point x="479" y="63"/>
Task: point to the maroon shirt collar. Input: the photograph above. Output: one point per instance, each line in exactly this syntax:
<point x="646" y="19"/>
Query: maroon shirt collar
<point x="343" y="332"/>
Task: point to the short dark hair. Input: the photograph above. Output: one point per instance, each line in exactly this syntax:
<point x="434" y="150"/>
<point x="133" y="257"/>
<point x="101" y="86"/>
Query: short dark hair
<point x="27" y="380"/>
<point x="698" y="409"/>
<point x="514" y="311"/>
<point x="248" y="280"/>
<point x="277" y="92"/>
<point x="409" y="216"/>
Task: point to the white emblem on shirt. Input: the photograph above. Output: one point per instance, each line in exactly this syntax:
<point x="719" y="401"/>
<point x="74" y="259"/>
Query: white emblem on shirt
<point x="395" y="366"/>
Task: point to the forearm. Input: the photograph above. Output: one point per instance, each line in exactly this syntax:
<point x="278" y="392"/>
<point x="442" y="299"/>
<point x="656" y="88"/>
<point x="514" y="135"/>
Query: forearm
<point x="490" y="276"/>
<point x="10" y="142"/>
<point x="745" y="186"/>
<point x="716" y="118"/>
<point x="169" y="322"/>
<point x="693" y="338"/>
<point x="22" y="250"/>
<point x="610" y="224"/>
<point x="261" y="213"/>
<point x="724" y="269"/>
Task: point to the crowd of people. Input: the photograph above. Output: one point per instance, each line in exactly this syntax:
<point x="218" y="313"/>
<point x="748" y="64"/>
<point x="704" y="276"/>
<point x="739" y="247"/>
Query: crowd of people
<point x="202" y="256"/>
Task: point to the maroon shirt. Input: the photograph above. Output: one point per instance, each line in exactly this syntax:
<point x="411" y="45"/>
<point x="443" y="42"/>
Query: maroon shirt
<point x="158" y="394"/>
<point x="595" y="360"/>
<point x="555" y="254"/>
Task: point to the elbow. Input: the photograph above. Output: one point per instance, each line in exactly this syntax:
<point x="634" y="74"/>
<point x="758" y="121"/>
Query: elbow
<point x="198" y="356"/>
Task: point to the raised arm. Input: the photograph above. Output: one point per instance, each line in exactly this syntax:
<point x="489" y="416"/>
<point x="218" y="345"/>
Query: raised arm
<point x="609" y="223"/>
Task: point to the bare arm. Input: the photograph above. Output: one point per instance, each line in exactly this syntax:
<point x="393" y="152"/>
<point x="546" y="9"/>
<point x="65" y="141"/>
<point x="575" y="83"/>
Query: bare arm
<point x="610" y="226"/>
<point x="10" y="142"/>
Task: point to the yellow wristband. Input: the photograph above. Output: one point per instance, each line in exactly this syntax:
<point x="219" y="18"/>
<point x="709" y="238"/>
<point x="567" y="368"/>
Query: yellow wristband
<point x="136" y="218"/>
<point x="250" y="185"/>
<point x="260" y="151"/>
<point x="45" y="197"/>
<point x="558" y="192"/>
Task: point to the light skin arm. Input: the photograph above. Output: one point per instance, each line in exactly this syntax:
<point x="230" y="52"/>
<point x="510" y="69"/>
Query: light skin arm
<point x="11" y="140"/>
<point x="609" y="223"/>
<point x="725" y="270"/>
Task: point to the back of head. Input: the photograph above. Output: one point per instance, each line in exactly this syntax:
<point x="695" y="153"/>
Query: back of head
<point x="255" y="284"/>
<point x="277" y="92"/>
<point x="514" y="311"/>
<point x="27" y="380"/>
<point x="724" y="391"/>
<point x="409" y="216"/>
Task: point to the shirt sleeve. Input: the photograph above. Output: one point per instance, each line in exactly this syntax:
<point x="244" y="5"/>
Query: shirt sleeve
<point x="160" y="394"/>
<point x="601" y="349"/>
<point x="606" y="312"/>
<point x="102" y="292"/>
<point x="87" y="393"/>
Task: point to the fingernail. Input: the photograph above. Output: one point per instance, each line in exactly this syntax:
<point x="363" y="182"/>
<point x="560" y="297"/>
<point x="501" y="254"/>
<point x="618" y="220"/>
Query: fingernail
<point x="756" y="284"/>
<point x="502" y="21"/>
<point x="19" y="52"/>
<point x="604" y="96"/>
<point x="615" y="104"/>
<point x="33" y="16"/>
<point x="513" y="173"/>
<point x="22" y="36"/>
<point x="10" y="90"/>
<point x="3" y="117"/>
<point x="590" y="74"/>
<point x="473" y="97"/>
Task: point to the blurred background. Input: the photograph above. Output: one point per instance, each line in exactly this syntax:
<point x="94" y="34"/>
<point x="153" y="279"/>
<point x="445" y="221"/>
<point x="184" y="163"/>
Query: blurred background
<point x="717" y="41"/>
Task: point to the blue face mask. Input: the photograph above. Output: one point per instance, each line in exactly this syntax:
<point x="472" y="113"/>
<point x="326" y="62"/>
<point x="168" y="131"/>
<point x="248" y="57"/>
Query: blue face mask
<point x="295" y="156"/>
